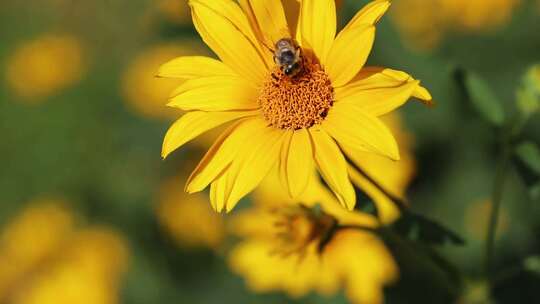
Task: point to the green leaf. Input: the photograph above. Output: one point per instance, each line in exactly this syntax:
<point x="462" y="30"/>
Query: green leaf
<point x="532" y="264"/>
<point x="484" y="99"/>
<point x="534" y="191"/>
<point x="529" y="154"/>
<point x="417" y="227"/>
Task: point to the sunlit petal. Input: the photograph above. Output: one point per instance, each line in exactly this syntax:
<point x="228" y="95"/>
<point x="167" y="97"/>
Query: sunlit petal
<point x="351" y="126"/>
<point x="193" y="124"/>
<point x="356" y="42"/>
<point x="317" y="26"/>
<point x="226" y="30"/>
<point x="188" y="67"/>
<point x="333" y="167"/>
<point x="218" y="93"/>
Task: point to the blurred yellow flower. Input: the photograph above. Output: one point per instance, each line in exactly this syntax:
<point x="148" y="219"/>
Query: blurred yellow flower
<point x="299" y="248"/>
<point x="176" y="11"/>
<point x="44" y="66"/>
<point x="189" y="218"/>
<point x="295" y="118"/>
<point x="45" y="258"/>
<point x="87" y="272"/>
<point x="424" y="23"/>
<point x="144" y="93"/>
<point x="30" y="238"/>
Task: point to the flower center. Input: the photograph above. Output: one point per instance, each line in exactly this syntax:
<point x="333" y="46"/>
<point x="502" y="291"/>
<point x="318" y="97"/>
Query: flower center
<point x="298" y="227"/>
<point x="297" y="102"/>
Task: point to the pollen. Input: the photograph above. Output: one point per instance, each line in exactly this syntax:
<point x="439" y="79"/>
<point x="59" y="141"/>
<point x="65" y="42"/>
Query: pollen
<point x="293" y="103"/>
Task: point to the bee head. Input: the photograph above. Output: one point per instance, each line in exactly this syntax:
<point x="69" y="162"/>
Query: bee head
<point x="291" y="69"/>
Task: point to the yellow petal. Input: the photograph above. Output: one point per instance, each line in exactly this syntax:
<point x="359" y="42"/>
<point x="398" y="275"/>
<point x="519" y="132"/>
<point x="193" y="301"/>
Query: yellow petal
<point x="349" y="54"/>
<point x="317" y="26"/>
<point x="222" y="153"/>
<point x="369" y="14"/>
<point x="373" y="74"/>
<point x="226" y="30"/>
<point x="292" y="13"/>
<point x="254" y="159"/>
<point x="218" y="93"/>
<point x="379" y="91"/>
<point x="219" y="192"/>
<point x="297" y="162"/>
<point x="383" y="100"/>
<point x="269" y="19"/>
<point x="333" y="167"/>
<point x="188" y="67"/>
<point x="193" y="124"/>
<point x="351" y="126"/>
<point x="424" y="95"/>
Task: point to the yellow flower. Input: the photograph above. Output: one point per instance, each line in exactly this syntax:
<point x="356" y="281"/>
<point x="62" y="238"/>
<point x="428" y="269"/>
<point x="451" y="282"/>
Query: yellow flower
<point x="144" y="93"/>
<point x="293" y="123"/>
<point x="480" y="14"/>
<point x="30" y="238"/>
<point x="188" y="218"/>
<point x="88" y="271"/>
<point x="176" y="11"/>
<point x="420" y="22"/>
<point x="44" y="66"/>
<point x="299" y="249"/>
<point x="426" y="22"/>
<point x="44" y="258"/>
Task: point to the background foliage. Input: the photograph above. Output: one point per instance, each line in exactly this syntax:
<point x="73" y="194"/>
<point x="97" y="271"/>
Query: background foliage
<point x="92" y="138"/>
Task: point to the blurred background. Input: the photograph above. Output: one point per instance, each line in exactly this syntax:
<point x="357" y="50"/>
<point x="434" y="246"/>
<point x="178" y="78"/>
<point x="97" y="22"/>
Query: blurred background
<point x="90" y="213"/>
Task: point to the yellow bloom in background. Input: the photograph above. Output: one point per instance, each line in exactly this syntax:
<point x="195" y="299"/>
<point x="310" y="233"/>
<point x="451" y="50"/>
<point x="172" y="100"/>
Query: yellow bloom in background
<point x="426" y="22"/>
<point x="420" y="22"/>
<point x="88" y="272"/>
<point x="143" y="92"/>
<point x="295" y="122"/>
<point x="480" y="14"/>
<point x="46" y="258"/>
<point x="43" y="66"/>
<point x="188" y="218"/>
<point x="176" y="11"/>
<point x="298" y="249"/>
<point x="31" y="238"/>
<point x="393" y="176"/>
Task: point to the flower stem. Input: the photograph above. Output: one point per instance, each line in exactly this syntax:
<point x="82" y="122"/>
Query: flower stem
<point x="398" y="202"/>
<point x="498" y="189"/>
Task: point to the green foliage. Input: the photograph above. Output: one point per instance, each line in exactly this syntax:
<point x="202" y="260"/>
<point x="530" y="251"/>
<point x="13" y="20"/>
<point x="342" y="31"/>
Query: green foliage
<point x="420" y="228"/>
<point x="484" y="100"/>
<point x="528" y="96"/>
<point x="529" y="153"/>
<point x="532" y="264"/>
<point x="527" y="160"/>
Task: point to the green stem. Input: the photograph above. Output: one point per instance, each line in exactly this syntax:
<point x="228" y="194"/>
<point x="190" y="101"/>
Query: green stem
<point x="497" y="195"/>
<point x="398" y="202"/>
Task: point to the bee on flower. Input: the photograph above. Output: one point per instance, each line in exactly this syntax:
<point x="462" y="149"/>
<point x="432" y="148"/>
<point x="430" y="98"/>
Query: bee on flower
<point x="294" y="115"/>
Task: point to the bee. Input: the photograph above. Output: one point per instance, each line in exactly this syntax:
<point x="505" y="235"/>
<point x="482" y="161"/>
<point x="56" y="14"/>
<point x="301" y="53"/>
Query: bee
<point x="288" y="56"/>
